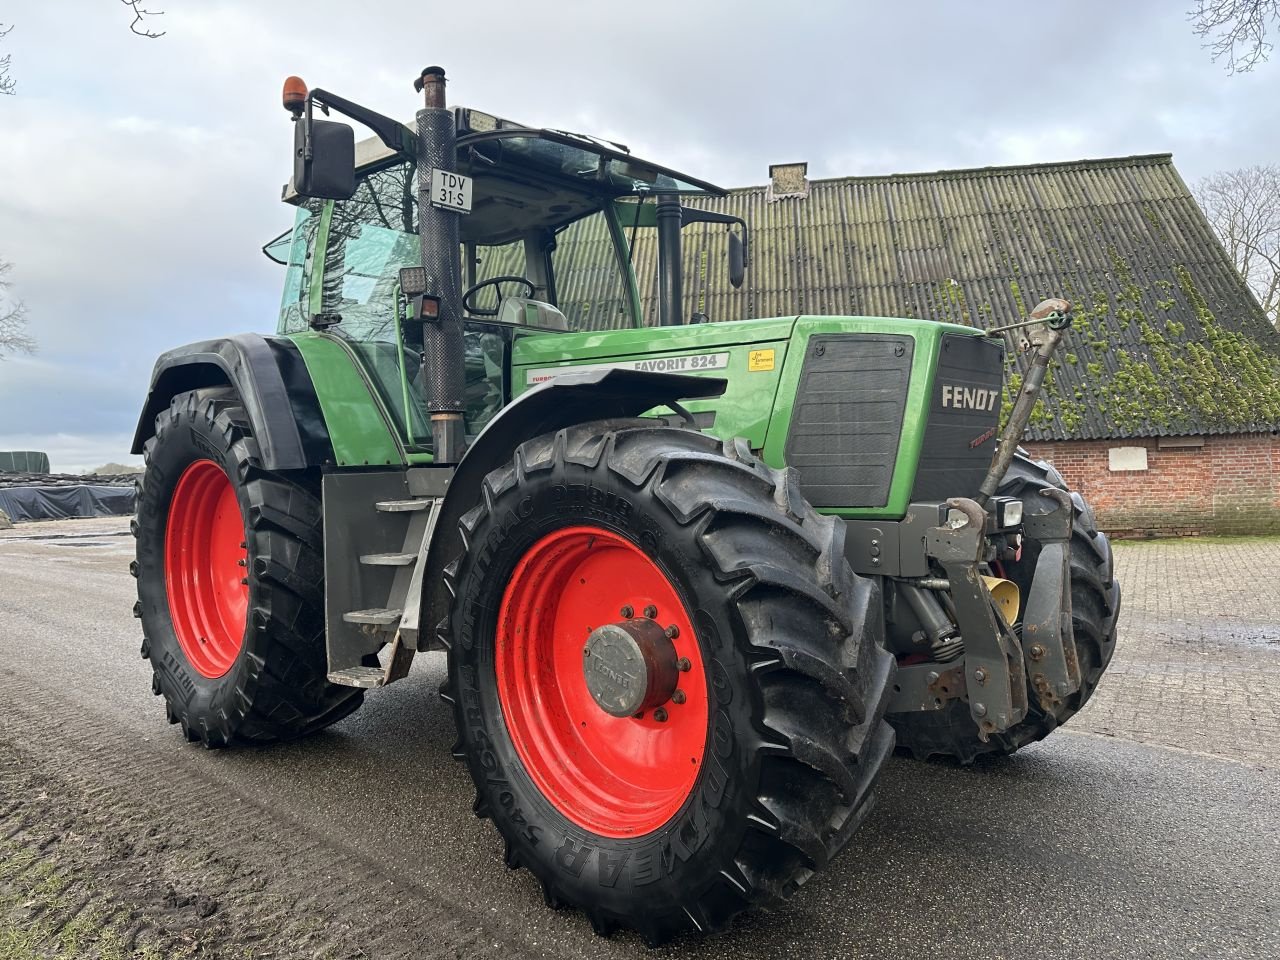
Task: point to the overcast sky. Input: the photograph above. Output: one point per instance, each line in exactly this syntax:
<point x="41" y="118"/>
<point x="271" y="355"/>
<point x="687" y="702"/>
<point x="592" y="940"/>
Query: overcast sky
<point x="139" y="178"/>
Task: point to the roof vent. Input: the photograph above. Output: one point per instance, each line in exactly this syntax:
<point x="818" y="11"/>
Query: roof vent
<point x="788" y="180"/>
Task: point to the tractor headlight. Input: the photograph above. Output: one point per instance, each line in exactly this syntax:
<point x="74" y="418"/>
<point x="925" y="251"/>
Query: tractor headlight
<point x="1008" y="513"/>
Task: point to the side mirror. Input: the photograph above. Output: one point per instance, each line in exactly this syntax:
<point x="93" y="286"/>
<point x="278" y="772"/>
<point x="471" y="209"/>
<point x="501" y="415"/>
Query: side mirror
<point x="324" y="159"/>
<point x="737" y="259"/>
<point x="737" y="242"/>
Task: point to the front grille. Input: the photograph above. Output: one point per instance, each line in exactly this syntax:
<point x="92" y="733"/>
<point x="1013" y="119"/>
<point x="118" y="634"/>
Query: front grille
<point x="964" y="415"/>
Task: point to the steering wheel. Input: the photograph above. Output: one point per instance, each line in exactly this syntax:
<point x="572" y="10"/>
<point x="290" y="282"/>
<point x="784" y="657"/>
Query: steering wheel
<point x="492" y="282"/>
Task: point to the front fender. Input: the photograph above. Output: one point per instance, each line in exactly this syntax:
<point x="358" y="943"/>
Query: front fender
<point x="272" y="382"/>
<point x="564" y="401"/>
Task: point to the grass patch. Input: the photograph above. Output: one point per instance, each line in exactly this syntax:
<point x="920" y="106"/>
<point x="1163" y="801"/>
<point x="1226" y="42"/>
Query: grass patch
<point x="34" y="897"/>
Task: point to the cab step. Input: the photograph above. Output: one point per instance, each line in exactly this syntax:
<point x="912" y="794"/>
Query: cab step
<point x="403" y="506"/>
<point x="391" y="667"/>
<point x="366" y="677"/>
<point x="388" y="559"/>
<point x="375" y="617"/>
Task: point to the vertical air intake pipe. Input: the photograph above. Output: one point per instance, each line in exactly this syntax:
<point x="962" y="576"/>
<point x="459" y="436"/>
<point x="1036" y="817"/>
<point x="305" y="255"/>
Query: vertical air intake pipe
<point x="670" y="262"/>
<point x="438" y="237"/>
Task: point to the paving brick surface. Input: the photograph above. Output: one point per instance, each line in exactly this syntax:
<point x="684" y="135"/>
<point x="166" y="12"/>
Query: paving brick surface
<point x="1197" y="664"/>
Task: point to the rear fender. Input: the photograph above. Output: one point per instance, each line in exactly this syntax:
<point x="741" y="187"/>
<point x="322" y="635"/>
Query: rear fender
<point x="272" y="382"/>
<point x="565" y="401"/>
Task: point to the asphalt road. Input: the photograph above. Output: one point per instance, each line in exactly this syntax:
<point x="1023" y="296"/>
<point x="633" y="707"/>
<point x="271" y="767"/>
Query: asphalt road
<point x="361" y="841"/>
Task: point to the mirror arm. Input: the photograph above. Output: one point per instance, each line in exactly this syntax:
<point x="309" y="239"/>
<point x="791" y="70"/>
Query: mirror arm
<point x="394" y="134"/>
<point x="306" y="129"/>
<point x="690" y="215"/>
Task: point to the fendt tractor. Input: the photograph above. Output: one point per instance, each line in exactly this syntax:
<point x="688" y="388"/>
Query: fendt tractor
<point x="692" y="579"/>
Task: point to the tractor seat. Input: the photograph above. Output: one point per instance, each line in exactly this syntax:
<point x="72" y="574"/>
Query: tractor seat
<point x="532" y="313"/>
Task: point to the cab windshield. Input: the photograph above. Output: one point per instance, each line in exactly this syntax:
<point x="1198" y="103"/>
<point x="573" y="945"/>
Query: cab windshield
<point x="367" y="240"/>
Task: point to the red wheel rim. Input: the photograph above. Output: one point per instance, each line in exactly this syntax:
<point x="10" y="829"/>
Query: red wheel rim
<point x="205" y="566"/>
<point x="615" y="776"/>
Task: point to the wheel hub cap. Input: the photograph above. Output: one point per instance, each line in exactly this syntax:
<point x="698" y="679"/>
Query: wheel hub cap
<point x="630" y="667"/>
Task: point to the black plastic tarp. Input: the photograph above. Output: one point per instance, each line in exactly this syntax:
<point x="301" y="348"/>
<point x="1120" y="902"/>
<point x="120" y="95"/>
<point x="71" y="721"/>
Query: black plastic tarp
<point x="23" y="461"/>
<point x="70" y="500"/>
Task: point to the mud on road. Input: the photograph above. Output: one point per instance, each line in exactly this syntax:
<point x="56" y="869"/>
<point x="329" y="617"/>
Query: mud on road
<point x="139" y="858"/>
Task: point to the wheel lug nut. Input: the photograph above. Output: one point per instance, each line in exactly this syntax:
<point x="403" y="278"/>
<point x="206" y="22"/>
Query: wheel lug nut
<point x="586" y="651"/>
<point x="672" y="632"/>
<point x="660" y="714"/>
<point x="683" y="665"/>
<point x="651" y="612"/>
<point x="628" y="611"/>
<point x="678" y="697"/>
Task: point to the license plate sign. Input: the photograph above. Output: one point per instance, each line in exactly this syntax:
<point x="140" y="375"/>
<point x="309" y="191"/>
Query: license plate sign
<point x="450" y="191"/>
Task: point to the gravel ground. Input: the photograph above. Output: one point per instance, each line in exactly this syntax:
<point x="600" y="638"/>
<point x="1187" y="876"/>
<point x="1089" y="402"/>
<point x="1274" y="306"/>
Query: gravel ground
<point x="1146" y="828"/>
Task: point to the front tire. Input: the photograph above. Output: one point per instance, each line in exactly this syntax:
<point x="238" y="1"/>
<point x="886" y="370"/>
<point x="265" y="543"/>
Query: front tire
<point x="231" y="581"/>
<point x="763" y="767"/>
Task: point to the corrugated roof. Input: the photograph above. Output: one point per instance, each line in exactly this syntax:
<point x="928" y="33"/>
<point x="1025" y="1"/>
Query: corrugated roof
<point x="1168" y="338"/>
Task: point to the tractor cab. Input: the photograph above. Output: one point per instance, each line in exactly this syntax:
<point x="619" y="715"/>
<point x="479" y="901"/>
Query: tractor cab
<point x="545" y="248"/>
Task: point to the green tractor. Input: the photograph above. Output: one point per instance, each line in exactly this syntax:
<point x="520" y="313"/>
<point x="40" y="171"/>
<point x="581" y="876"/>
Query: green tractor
<point x="692" y="579"/>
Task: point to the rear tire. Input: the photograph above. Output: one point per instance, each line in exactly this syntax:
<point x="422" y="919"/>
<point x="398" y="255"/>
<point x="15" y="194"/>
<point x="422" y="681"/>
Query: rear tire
<point x="787" y="639"/>
<point x="1095" y="604"/>
<point x="244" y="661"/>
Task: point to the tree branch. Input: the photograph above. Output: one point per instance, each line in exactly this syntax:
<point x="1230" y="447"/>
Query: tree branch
<point x="1235" y="30"/>
<point x="13" y="320"/>
<point x="7" y="84"/>
<point x="140" y="14"/>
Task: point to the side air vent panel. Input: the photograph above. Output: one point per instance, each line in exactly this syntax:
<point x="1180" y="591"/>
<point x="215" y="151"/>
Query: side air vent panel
<point x="847" y="417"/>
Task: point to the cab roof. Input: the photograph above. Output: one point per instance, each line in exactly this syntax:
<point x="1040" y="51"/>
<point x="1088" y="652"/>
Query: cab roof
<point x="529" y="178"/>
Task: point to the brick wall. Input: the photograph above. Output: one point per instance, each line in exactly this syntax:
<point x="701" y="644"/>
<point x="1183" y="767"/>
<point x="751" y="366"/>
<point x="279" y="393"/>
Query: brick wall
<point x="1225" y="485"/>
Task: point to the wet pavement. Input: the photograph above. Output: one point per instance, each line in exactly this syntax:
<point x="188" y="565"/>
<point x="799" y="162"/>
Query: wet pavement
<point x="1148" y="827"/>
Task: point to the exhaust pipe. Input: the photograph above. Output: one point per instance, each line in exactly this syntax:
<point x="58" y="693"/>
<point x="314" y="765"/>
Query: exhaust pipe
<point x="438" y="239"/>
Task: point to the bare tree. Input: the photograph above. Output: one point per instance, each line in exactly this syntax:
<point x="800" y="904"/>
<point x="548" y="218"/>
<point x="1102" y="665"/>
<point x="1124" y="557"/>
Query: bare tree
<point x="1236" y="30"/>
<point x="13" y="319"/>
<point x="139" y="25"/>
<point x="7" y="83"/>
<point x="1243" y="206"/>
